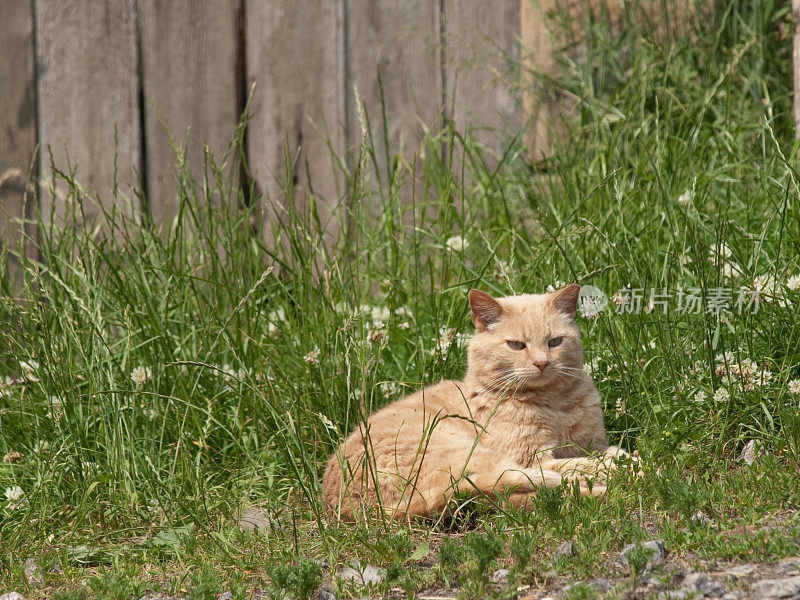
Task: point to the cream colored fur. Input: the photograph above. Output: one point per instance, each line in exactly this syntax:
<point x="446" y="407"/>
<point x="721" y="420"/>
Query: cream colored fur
<point x="510" y="427"/>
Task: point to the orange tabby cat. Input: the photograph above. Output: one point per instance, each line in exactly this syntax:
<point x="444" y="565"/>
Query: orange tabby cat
<point x="525" y="416"/>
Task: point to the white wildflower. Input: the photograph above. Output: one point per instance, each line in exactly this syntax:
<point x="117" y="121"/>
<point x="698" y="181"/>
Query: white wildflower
<point x="620" y="405"/>
<point x="591" y="366"/>
<point x="722" y="395"/>
<point x="685" y="198"/>
<point x="388" y="388"/>
<point x="277" y="318"/>
<point x="14" y="493"/>
<point x="502" y="270"/>
<point x="312" y="357"/>
<point x="380" y="313"/>
<point x="793" y="283"/>
<point x="556" y="285"/>
<point x="376" y="332"/>
<point x="12" y="457"/>
<point x="446" y="338"/>
<point x="700" y="397"/>
<point x="456" y="243"/>
<point x="141" y="375"/>
<point x="29" y="368"/>
<point x="794" y="386"/>
<point x="6" y="385"/>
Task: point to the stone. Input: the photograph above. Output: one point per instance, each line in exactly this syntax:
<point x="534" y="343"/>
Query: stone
<point x="500" y="576"/>
<point x="740" y="571"/>
<point x="601" y="584"/>
<point x="363" y="574"/>
<point x="734" y="595"/>
<point x="251" y="518"/>
<point x="777" y="589"/>
<point x="657" y="555"/>
<point x="565" y="549"/>
<point x="701" y="582"/>
<point x="32" y="572"/>
<point x="324" y="592"/>
<point x="12" y="596"/>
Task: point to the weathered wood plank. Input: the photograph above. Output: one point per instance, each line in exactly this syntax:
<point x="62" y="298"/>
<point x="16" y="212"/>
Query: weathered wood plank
<point x="481" y="51"/>
<point x="88" y="95"/>
<point x="17" y="124"/>
<point x="295" y="56"/>
<point x="401" y="43"/>
<point x="189" y="70"/>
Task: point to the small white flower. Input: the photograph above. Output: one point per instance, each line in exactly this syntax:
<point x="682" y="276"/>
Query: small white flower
<point x="556" y="285"/>
<point x="446" y="338"/>
<point x="700" y="397"/>
<point x="6" y="385"/>
<point x="685" y="198"/>
<point x="277" y="318"/>
<point x="591" y="366"/>
<point x="456" y="243"/>
<point x="793" y="283"/>
<point x="312" y="357"/>
<point x="28" y="367"/>
<point x="376" y="332"/>
<point x="380" y="313"/>
<point x="722" y="395"/>
<point x="15" y="493"/>
<point x="389" y="388"/>
<point x="141" y="375"/>
<point x="794" y="386"/>
<point x="620" y="405"/>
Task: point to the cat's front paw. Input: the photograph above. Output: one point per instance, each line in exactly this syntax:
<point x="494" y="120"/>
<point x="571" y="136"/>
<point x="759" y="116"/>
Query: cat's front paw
<point x="614" y="457"/>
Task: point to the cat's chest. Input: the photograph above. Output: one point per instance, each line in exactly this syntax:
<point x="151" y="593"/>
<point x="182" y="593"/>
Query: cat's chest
<point x="526" y="431"/>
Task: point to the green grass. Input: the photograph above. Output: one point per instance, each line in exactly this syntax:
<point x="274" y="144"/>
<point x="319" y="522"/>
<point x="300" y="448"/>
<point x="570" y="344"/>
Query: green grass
<point x="261" y="355"/>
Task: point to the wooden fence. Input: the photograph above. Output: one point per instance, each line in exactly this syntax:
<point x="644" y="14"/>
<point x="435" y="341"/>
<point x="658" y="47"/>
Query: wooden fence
<point x="91" y="82"/>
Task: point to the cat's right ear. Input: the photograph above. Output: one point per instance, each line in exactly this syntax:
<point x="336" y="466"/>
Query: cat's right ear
<point x="486" y="311"/>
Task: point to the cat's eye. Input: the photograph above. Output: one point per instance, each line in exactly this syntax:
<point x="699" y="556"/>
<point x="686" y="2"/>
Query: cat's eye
<point x="556" y="341"/>
<point x="516" y="344"/>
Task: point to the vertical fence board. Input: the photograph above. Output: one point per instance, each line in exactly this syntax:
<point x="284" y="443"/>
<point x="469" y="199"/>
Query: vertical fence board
<point x="88" y="86"/>
<point x="295" y="56"/>
<point x="189" y="70"/>
<point x="480" y="53"/>
<point x="17" y="120"/>
<point x="401" y="42"/>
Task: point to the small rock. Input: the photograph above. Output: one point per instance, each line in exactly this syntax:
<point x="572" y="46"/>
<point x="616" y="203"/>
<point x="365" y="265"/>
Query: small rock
<point x="740" y="571"/>
<point x="789" y="566"/>
<point x="324" y="592"/>
<point x="674" y="595"/>
<point x="565" y="549"/>
<point x="500" y="576"/>
<point x="658" y="552"/>
<point x="251" y="518"/>
<point x="701" y="582"/>
<point x="32" y="572"/>
<point x="363" y="574"/>
<point x="12" y="596"/>
<point x="601" y="584"/>
<point x="734" y="595"/>
<point x="770" y="589"/>
<point x="751" y="452"/>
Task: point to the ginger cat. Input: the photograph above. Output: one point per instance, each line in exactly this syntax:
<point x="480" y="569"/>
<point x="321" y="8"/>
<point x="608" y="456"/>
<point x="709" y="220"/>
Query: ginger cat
<point x="524" y="417"/>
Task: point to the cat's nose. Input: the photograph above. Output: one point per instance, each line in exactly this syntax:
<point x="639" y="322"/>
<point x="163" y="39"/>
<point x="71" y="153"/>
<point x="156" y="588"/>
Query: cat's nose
<point x="541" y="365"/>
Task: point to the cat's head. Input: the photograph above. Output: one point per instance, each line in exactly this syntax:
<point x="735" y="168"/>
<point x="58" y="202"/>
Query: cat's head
<point x="525" y="342"/>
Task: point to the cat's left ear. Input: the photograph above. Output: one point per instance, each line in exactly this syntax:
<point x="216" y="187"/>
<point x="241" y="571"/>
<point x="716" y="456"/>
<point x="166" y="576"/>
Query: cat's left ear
<point x="565" y="300"/>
